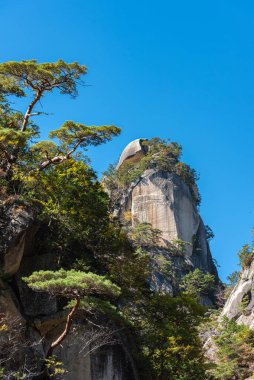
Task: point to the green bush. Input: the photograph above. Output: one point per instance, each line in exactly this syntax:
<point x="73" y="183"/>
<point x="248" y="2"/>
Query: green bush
<point x="235" y="351"/>
<point x="198" y="283"/>
<point x="246" y="256"/>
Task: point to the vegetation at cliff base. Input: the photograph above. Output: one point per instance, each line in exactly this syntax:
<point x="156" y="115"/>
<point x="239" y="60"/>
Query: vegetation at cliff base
<point x="232" y="345"/>
<point x="170" y="348"/>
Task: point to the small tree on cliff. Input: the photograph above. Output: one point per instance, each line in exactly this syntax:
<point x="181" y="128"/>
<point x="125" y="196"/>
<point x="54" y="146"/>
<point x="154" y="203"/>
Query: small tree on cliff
<point x="72" y="285"/>
<point x="197" y="283"/>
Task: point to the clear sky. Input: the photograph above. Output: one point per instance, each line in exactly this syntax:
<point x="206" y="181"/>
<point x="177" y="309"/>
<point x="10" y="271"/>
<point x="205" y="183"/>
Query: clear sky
<point x="174" y="69"/>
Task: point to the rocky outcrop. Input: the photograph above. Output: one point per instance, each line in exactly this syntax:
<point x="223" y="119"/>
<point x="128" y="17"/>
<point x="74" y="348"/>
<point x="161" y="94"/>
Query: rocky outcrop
<point x="108" y="362"/>
<point x="239" y="305"/>
<point x="164" y="200"/>
<point x="37" y="318"/>
<point x="132" y="152"/>
<point x="17" y="229"/>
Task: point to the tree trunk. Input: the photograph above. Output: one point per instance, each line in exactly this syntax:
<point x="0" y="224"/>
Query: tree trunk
<point x="67" y="328"/>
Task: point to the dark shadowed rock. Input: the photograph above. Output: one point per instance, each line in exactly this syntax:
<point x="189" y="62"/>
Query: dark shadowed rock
<point x="17" y="229"/>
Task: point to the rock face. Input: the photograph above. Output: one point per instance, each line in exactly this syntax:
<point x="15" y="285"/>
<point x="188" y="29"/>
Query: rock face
<point x="239" y="305"/>
<point x="16" y="231"/>
<point x="133" y="151"/>
<point x="109" y="362"/>
<point x="38" y="315"/>
<point x="162" y="199"/>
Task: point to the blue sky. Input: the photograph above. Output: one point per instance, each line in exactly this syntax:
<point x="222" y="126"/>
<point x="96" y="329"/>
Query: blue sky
<point x="174" y="69"/>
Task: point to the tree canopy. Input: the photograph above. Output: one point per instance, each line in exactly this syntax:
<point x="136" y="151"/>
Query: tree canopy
<point x="19" y="151"/>
<point x="71" y="284"/>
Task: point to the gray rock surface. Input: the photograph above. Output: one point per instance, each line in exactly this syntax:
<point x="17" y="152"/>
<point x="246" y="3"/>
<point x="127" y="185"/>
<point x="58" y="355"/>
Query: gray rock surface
<point x="234" y="308"/>
<point x="17" y="228"/>
<point x="106" y="363"/>
<point x="164" y="200"/>
<point x="132" y="152"/>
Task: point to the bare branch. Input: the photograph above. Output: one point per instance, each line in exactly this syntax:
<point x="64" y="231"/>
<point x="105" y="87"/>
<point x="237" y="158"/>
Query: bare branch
<point x="91" y="338"/>
<point x="30" y="108"/>
<point x="37" y="113"/>
<point x="59" y="159"/>
<point x="52" y="161"/>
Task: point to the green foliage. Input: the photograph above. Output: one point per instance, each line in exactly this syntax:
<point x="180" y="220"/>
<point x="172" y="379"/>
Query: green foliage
<point x="143" y="235"/>
<point x="71" y="196"/>
<point x="41" y="150"/>
<point x="20" y="79"/>
<point x="164" y="265"/>
<point x="197" y="283"/>
<point x="245" y="256"/>
<point x="177" y="247"/>
<point x="169" y="339"/>
<point x="160" y="154"/>
<point x="71" y="201"/>
<point x="20" y="154"/>
<point x="131" y="271"/>
<point x="97" y="306"/>
<point x="232" y="279"/>
<point x="209" y="233"/>
<point x="235" y="353"/>
<point x="244" y="303"/>
<point x="71" y="283"/>
<point x="55" y="367"/>
<point x="16" y="77"/>
<point x="52" y="174"/>
<point x="71" y="134"/>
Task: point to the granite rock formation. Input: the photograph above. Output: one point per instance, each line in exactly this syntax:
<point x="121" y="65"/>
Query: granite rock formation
<point x="239" y="305"/>
<point x="165" y="201"/>
<point x="132" y="152"/>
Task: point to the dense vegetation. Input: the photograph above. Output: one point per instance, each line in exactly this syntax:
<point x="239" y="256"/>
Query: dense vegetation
<point x="233" y="347"/>
<point x="102" y="267"/>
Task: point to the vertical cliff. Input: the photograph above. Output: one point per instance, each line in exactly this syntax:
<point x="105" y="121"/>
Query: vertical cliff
<point x="163" y="199"/>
